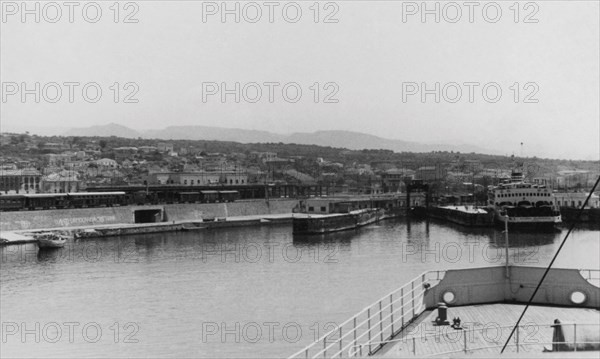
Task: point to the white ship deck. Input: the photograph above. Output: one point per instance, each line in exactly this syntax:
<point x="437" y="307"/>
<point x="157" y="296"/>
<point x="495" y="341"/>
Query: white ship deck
<point x="487" y="327"/>
<point x="489" y="301"/>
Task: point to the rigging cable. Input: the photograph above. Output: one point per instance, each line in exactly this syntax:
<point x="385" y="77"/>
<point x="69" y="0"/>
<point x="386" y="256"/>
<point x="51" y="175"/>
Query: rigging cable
<point x="579" y="213"/>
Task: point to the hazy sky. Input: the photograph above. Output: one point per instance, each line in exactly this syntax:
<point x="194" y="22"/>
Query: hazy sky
<point x="376" y="59"/>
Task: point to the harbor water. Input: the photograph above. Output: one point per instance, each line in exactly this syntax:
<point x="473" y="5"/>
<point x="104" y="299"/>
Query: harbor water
<point x="239" y="292"/>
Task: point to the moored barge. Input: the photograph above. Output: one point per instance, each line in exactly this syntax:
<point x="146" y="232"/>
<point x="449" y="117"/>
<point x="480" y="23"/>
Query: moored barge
<point x="325" y="215"/>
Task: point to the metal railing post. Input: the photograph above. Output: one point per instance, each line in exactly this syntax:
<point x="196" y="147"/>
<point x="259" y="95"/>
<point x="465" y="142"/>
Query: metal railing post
<point x="465" y="340"/>
<point x="380" y="322"/>
<point x="354" y="343"/>
<point x="392" y="314"/>
<point x="369" y="328"/>
<point x="414" y="346"/>
<point x="325" y="347"/>
<point x="517" y="338"/>
<point x="574" y="337"/>
<point x="340" y="341"/>
<point x="412" y="294"/>
<point x="402" y="305"/>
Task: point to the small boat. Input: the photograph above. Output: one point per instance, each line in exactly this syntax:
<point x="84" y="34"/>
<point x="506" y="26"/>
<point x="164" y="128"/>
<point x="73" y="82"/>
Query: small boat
<point x="50" y="240"/>
<point x="192" y="227"/>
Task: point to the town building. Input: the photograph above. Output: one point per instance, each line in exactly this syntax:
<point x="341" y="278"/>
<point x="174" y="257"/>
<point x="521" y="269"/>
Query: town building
<point x="199" y="178"/>
<point x="576" y="199"/>
<point x="164" y="147"/>
<point x="106" y="163"/>
<point x="393" y="179"/>
<point x="122" y="153"/>
<point x="25" y="180"/>
<point x="431" y="173"/>
<point x="62" y="182"/>
<point x="263" y="156"/>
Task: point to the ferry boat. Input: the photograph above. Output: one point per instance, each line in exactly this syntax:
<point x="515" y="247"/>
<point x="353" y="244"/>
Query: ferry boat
<point x="325" y="215"/>
<point x="517" y="203"/>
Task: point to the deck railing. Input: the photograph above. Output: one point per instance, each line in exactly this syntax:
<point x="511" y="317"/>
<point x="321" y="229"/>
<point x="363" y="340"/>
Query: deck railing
<point x="591" y="275"/>
<point x="466" y="339"/>
<point x="371" y="327"/>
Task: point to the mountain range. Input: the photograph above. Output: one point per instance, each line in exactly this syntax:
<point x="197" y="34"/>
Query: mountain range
<point x="342" y="139"/>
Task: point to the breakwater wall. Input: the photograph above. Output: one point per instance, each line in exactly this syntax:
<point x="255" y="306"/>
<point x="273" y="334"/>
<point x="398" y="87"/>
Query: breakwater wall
<point x="64" y="218"/>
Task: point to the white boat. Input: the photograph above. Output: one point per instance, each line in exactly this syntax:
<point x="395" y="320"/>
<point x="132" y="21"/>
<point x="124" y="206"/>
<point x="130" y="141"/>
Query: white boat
<point x="523" y="204"/>
<point x="50" y="240"/>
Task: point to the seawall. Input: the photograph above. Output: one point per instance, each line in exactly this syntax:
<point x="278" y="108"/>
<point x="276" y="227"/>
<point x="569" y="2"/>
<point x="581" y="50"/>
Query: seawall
<point x="64" y="218"/>
<point x="589" y="215"/>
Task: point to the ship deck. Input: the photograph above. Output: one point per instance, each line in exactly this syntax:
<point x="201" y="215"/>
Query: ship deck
<point x="487" y="326"/>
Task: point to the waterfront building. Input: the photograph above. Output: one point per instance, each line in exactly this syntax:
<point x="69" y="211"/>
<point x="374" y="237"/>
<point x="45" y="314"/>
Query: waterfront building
<point x="576" y="199"/>
<point x="393" y="179"/>
<point x="62" y="182"/>
<point x="25" y="180"/>
<point x="199" y="178"/>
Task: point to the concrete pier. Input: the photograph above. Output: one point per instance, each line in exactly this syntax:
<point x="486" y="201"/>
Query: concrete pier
<point x="19" y="227"/>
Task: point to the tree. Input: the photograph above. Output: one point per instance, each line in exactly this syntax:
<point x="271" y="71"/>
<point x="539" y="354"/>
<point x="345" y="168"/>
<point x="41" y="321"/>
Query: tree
<point x="75" y="141"/>
<point x="103" y="144"/>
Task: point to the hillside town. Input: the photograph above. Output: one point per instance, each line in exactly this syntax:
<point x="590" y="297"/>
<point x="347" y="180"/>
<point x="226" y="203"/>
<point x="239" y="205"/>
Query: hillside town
<point x="37" y="164"/>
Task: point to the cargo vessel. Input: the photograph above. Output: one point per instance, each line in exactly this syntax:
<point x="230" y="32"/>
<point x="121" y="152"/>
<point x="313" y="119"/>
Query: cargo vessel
<point x="325" y="215"/>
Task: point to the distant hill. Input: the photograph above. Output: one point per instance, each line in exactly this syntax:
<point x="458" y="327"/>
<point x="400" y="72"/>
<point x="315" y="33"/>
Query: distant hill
<point x="112" y="129"/>
<point x="213" y="133"/>
<point x="359" y="141"/>
<point x="342" y="139"/>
